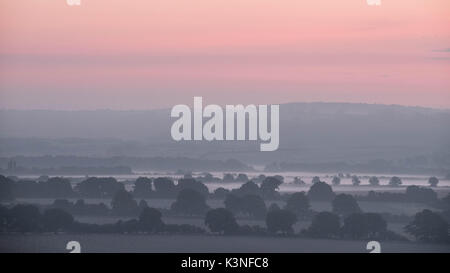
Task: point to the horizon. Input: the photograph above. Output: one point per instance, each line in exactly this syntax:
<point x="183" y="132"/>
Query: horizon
<point x="447" y="108"/>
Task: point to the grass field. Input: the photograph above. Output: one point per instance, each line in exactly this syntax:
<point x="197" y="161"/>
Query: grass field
<point x="198" y="244"/>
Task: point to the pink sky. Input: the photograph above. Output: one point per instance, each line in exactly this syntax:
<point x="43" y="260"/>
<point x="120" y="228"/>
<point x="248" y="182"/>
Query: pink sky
<point x="130" y="54"/>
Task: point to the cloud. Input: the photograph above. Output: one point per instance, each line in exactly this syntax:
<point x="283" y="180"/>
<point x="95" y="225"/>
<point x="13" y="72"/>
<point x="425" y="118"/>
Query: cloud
<point x="442" y="50"/>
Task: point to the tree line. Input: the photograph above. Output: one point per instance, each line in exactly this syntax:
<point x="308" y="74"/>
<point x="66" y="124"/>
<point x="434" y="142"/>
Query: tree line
<point x="164" y="187"/>
<point x="426" y="226"/>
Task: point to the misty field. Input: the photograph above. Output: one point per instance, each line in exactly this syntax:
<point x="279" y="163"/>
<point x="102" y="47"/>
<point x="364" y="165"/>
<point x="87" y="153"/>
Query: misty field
<point x="129" y="237"/>
<point x="392" y="207"/>
<point x="197" y="244"/>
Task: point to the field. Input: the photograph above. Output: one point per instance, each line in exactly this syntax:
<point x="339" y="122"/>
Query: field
<point x="197" y="244"/>
<point x="210" y="243"/>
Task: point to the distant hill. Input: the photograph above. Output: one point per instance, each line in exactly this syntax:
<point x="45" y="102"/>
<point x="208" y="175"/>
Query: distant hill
<point x="309" y="133"/>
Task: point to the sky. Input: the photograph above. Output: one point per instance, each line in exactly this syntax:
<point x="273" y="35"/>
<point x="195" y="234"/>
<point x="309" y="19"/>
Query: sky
<point x="132" y="54"/>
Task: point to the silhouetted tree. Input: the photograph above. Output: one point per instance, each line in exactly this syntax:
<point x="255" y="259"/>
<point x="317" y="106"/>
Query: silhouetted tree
<point x="242" y="177"/>
<point x="279" y="178"/>
<point x="63" y="204"/>
<point x="123" y="203"/>
<point x="324" y="225"/>
<point x="429" y="226"/>
<point x="221" y="193"/>
<point x="269" y="186"/>
<point x="102" y="187"/>
<point x="142" y="204"/>
<point x="336" y="180"/>
<point x="445" y="214"/>
<point x="143" y="187"/>
<point x="298" y="203"/>
<point x="446" y="201"/>
<point x="57" y="220"/>
<point x="24" y="218"/>
<point x="150" y="220"/>
<point x="56" y="187"/>
<point x="228" y="177"/>
<point x="364" y="226"/>
<point x="233" y="203"/>
<point x="315" y="179"/>
<point x="126" y="226"/>
<point x="6" y="189"/>
<point x="395" y="181"/>
<point x="280" y="221"/>
<point x="254" y="206"/>
<point x="221" y="220"/>
<point x="320" y="191"/>
<point x="193" y="185"/>
<point x="433" y="181"/>
<point x="355" y="226"/>
<point x="355" y="181"/>
<point x="376" y="224"/>
<point x="273" y="206"/>
<point x="247" y="188"/>
<point x="26" y="189"/>
<point x="4" y="218"/>
<point x="164" y="187"/>
<point x="251" y="205"/>
<point x="421" y="194"/>
<point x="190" y="202"/>
<point x="374" y="181"/>
<point x="260" y="178"/>
<point x="298" y="181"/>
<point x="82" y="208"/>
<point x="345" y="204"/>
